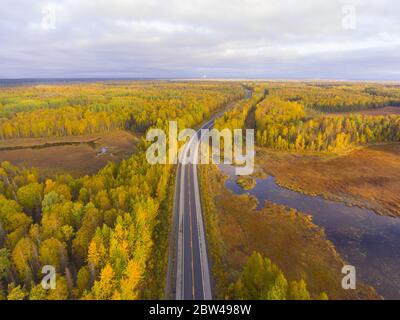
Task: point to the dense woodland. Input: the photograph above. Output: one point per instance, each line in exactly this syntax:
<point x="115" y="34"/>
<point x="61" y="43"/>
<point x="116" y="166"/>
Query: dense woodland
<point x="47" y="111"/>
<point x="283" y="125"/>
<point x="236" y="118"/>
<point x="97" y="231"/>
<point x="337" y="97"/>
<point x="311" y="116"/>
<point x="101" y="232"/>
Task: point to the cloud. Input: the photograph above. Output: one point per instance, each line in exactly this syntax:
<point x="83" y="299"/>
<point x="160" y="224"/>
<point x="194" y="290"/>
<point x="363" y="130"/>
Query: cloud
<point x="191" y="38"/>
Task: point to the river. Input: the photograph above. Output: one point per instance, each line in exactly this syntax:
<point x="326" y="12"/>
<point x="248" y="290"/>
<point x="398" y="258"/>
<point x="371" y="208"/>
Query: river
<point x="366" y="240"/>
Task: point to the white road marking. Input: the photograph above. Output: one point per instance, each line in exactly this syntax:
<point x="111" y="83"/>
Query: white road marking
<point x="202" y="243"/>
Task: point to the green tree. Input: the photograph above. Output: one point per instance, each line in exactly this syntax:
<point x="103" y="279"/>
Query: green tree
<point x="82" y="281"/>
<point x="16" y="292"/>
<point x="30" y="197"/>
<point x="260" y="280"/>
<point x="298" y="291"/>
<point x="5" y="263"/>
<point x="91" y="220"/>
<point x="263" y="280"/>
<point x="38" y="293"/>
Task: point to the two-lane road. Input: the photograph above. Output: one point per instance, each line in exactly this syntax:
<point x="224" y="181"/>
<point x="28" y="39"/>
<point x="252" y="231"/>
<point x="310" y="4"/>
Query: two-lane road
<point x="192" y="274"/>
<point x="190" y="262"/>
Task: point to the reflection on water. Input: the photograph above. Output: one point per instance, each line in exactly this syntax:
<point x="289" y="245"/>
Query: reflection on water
<point x="364" y="239"/>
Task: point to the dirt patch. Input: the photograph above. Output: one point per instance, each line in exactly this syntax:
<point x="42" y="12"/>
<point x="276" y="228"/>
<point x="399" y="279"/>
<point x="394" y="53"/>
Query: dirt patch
<point x="76" y="155"/>
<point x="367" y="176"/>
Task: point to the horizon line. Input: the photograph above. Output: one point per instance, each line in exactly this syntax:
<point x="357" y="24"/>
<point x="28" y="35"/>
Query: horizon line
<point x="38" y="79"/>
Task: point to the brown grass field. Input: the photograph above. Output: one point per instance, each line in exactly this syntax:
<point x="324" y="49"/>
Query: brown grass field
<point x="75" y="155"/>
<point x="368" y="177"/>
<point x="288" y="237"/>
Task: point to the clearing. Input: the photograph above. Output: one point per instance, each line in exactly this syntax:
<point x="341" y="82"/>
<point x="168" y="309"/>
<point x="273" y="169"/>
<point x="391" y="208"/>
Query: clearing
<point x="76" y="155"/>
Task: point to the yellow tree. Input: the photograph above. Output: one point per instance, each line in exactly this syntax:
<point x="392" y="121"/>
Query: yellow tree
<point x="130" y="283"/>
<point x="104" y="288"/>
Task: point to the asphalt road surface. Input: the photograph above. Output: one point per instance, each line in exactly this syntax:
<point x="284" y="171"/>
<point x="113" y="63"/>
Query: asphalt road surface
<point x="192" y="274"/>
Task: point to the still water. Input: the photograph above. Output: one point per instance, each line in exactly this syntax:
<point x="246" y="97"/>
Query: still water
<point x="364" y="239"/>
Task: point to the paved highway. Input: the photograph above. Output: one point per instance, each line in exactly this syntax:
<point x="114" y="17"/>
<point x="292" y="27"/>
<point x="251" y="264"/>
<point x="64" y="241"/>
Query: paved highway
<point x="192" y="274"/>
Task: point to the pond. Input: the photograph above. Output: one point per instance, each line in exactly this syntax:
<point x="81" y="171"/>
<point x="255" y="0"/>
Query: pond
<point x="364" y="239"/>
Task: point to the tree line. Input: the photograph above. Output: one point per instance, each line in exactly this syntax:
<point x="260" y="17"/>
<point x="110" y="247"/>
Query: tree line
<point x="91" y="108"/>
<point x="236" y="118"/>
<point x="298" y="116"/>
<point x="283" y="125"/>
<point x="337" y="97"/>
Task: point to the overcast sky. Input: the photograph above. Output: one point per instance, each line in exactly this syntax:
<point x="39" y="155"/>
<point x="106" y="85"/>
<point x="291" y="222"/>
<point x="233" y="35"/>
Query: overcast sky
<point x="350" y="39"/>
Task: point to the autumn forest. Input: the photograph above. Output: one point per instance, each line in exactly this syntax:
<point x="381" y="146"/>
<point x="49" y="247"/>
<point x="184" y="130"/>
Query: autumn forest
<point x="107" y="234"/>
